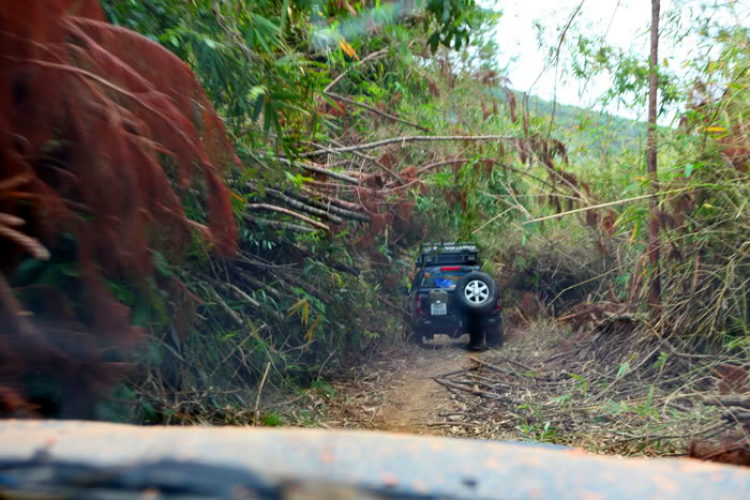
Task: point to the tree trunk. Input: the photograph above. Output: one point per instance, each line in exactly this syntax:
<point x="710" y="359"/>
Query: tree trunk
<point x="654" y="237"/>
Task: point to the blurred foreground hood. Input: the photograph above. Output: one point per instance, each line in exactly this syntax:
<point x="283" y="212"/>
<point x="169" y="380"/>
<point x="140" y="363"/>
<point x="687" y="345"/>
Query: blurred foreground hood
<point x="91" y="460"/>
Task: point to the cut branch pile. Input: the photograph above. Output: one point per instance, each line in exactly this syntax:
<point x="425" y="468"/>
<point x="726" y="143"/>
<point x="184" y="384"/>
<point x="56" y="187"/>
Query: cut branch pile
<point x="638" y="404"/>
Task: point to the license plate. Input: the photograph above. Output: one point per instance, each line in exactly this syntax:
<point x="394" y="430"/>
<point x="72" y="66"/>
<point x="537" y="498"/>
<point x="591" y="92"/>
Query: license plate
<point x="439" y="309"/>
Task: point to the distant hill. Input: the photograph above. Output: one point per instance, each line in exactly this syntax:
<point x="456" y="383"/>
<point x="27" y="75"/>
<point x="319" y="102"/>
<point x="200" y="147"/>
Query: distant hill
<point x="596" y="132"/>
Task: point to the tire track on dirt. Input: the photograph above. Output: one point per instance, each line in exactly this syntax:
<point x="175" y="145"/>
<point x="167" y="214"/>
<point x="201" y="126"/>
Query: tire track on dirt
<point x="413" y="403"/>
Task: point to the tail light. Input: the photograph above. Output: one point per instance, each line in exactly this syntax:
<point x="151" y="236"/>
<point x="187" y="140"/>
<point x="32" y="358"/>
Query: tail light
<point x="419" y="305"/>
<point x="498" y="306"/>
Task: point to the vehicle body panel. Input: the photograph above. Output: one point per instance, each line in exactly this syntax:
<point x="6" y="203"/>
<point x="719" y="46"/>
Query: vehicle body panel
<point x="454" y="322"/>
<point x="402" y="465"/>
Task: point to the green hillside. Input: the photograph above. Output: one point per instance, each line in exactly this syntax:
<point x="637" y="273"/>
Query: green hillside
<point x="600" y="132"/>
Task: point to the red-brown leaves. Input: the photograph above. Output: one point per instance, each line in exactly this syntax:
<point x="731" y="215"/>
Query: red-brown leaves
<point x="512" y="105"/>
<point x="608" y="223"/>
<point x="338" y="109"/>
<point x="735" y="452"/>
<point x="395" y="100"/>
<point x="86" y="109"/>
<point x="433" y="88"/>
<point x="732" y="379"/>
<point x="737" y="156"/>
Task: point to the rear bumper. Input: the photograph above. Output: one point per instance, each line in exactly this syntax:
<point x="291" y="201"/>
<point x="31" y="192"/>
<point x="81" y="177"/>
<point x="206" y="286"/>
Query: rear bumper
<point x="445" y="325"/>
<point x="449" y="325"/>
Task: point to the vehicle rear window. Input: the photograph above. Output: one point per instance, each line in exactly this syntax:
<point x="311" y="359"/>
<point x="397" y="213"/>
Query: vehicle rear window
<point x="442" y="279"/>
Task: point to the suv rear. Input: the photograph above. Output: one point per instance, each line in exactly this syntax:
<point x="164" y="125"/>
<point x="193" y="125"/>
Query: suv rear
<point x="450" y="296"/>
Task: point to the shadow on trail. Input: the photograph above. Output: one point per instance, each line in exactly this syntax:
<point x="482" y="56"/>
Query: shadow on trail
<point x="443" y="342"/>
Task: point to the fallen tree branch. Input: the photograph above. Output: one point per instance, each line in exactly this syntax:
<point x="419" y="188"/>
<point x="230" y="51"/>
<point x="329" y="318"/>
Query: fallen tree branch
<point x="496" y="368"/>
<point x="259" y="285"/>
<point x="414" y="138"/>
<point x="277" y="224"/>
<point x="736" y="415"/>
<point x="346" y="205"/>
<point x="592" y="207"/>
<point x="467" y="160"/>
<point x="728" y="400"/>
<point x="328" y="207"/>
<point x="374" y="110"/>
<point x="243" y="297"/>
<point x="290" y="213"/>
<point x="370" y="159"/>
<point x="321" y="170"/>
<point x="329" y="173"/>
<point x="484" y="394"/>
<point x="657" y="437"/>
<point x="507" y="360"/>
<point x="302" y="205"/>
<point x="228" y="310"/>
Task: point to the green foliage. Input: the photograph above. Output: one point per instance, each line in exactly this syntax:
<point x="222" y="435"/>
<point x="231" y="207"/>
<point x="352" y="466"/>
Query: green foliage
<point x="272" y="420"/>
<point x="265" y="65"/>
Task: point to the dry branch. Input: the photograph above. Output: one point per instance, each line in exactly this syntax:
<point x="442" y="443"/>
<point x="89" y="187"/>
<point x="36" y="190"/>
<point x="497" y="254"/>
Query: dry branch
<point x="368" y="158"/>
<point x="346" y="205"/>
<point x="592" y="207"/>
<point x="303" y="205"/>
<point x="728" y="400"/>
<point x="277" y="224"/>
<point x="431" y="166"/>
<point x="230" y="312"/>
<point x="321" y="170"/>
<point x="327" y="207"/>
<point x="244" y="297"/>
<point x="736" y="415"/>
<point x="330" y="173"/>
<point x="470" y="390"/>
<point x="274" y="208"/>
<point x="259" y="285"/>
<point x="496" y="368"/>
<point x="414" y="138"/>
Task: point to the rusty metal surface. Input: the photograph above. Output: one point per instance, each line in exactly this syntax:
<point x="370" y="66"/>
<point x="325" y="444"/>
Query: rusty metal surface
<point x="451" y="468"/>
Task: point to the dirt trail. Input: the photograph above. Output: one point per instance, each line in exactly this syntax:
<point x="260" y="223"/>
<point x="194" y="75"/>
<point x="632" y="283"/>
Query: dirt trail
<point x="405" y="396"/>
<point x="526" y="391"/>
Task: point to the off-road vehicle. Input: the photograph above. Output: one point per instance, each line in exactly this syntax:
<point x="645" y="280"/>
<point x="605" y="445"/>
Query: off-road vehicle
<point x="450" y="295"/>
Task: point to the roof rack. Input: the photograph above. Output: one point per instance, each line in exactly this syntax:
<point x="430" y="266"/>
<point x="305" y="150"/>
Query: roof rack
<point x="448" y="253"/>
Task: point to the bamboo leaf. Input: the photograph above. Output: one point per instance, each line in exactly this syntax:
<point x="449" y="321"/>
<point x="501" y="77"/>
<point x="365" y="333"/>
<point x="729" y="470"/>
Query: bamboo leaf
<point x="311" y="331"/>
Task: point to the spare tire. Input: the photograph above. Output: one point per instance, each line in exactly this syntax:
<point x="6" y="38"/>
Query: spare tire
<point x="477" y="292"/>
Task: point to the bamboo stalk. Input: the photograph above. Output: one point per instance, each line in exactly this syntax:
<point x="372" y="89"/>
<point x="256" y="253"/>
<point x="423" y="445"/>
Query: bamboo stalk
<point x="256" y="413"/>
<point x="277" y="224"/>
<point x="328" y="207"/>
<point x="304" y="206"/>
<point x="592" y="207"/>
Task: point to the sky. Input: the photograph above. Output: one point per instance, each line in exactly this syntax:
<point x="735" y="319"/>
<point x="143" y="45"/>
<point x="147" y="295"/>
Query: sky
<point x="625" y="23"/>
